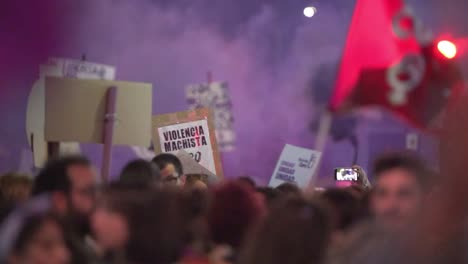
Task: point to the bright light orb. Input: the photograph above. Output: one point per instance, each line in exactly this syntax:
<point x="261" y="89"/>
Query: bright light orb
<point x="447" y="48"/>
<point x="310" y="11"/>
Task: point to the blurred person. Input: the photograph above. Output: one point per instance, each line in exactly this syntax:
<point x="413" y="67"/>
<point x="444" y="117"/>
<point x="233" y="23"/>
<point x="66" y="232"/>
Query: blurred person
<point x="140" y="173"/>
<point x="197" y="204"/>
<point x="401" y="184"/>
<point x="141" y="227"/>
<point x="296" y="231"/>
<point x="15" y="187"/>
<point x="31" y="235"/>
<point x="234" y="210"/>
<point x="269" y="195"/>
<point x="288" y="189"/>
<point x="172" y="172"/>
<point x="248" y="181"/>
<point x="5" y="208"/>
<point x="345" y="212"/>
<point x="196" y="181"/>
<point x="71" y="184"/>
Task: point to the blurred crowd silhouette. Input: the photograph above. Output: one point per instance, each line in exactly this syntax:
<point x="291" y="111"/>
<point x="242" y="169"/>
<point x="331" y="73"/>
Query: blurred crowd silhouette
<point x="154" y="213"/>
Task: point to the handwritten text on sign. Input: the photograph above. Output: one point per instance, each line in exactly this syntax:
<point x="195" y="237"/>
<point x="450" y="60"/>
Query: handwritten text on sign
<point x="192" y="137"/>
<point x="295" y="165"/>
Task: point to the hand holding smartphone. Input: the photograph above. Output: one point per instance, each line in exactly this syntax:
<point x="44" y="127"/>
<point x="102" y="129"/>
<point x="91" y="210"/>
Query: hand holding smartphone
<point x="346" y="174"/>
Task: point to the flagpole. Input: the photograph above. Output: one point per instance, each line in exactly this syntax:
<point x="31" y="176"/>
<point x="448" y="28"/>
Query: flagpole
<point x="326" y="119"/>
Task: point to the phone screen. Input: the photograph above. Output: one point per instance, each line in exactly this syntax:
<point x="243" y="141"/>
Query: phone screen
<point x="346" y="174"/>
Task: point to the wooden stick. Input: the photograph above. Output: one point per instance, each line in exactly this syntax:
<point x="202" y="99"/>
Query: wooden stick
<point x="109" y="122"/>
<point x="320" y="142"/>
<point x="209" y="77"/>
<point x="53" y="150"/>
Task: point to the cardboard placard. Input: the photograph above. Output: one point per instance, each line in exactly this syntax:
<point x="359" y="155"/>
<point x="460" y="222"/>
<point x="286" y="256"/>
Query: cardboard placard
<point x="35" y="117"/>
<point x="192" y="131"/>
<point x="75" y="111"/>
<point x="296" y="165"/>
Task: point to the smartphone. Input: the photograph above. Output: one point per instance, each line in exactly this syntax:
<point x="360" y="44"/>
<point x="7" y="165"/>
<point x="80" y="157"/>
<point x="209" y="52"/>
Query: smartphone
<point x="346" y="174"/>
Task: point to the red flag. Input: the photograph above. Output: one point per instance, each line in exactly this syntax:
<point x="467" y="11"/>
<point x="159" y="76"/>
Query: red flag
<point x="387" y="61"/>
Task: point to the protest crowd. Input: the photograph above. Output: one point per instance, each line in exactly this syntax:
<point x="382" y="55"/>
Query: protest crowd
<point x="154" y="213"/>
<point x="400" y="209"/>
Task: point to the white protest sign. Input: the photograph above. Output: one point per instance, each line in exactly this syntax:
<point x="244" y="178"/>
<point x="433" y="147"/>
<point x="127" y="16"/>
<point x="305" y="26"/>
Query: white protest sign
<point x="296" y="165"/>
<point x="81" y="69"/>
<point x="412" y="141"/>
<point x="193" y="137"/>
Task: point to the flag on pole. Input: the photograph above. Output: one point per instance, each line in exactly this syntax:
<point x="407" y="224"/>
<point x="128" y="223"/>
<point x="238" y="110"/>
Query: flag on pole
<point x="389" y="61"/>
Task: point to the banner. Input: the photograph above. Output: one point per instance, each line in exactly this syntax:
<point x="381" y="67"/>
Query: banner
<point x="191" y="131"/>
<point x="296" y="166"/>
<point x="215" y="96"/>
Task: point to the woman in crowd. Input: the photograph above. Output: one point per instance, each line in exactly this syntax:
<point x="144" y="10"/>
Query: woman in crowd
<point x="196" y="205"/>
<point x="234" y="210"/>
<point x="344" y="210"/>
<point x="296" y="231"/>
<point x="30" y="235"/>
<point x="140" y="227"/>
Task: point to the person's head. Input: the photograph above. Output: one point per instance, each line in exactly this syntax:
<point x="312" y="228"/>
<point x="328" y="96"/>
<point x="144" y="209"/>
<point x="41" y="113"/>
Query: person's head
<point x="249" y="182"/>
<point x="196" y="204"/>
<point x="147" y="226"/>
<point x="15" y="188"/>
<point x="31" y="234"/>
<point x="71" y="182"/>
<point x="286" y="189"/>
<point x="171" y="169"/>
<point x="196" y="181"/>
<point x="233" y="210"/>
<point x="140" y="173"/>
<point x="344" y="210"/>
<point x="296" y="231"/>
<point x="40" y="241"/>
<point x="268" y="194"/>
<point x="401" y="181"/>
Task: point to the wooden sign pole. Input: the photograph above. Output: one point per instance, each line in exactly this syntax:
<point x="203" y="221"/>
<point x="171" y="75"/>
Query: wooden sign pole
<point x="53" y="150"/>
<point x="109" y="122"/>
<point x="209" y="77"/>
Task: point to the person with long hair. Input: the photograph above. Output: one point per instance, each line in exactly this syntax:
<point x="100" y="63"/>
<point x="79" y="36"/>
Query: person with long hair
<point x="31" y="234"/>
<point x="295" y="231"/>
<point x="140" y="227"/>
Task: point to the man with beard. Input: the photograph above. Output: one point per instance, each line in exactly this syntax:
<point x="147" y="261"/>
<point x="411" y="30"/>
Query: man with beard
<point x="71" y="184"/>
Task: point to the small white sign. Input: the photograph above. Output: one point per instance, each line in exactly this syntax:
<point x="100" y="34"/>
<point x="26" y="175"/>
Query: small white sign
<point x="412" y="141"/>
<point x="80" y="69"/>
<point x="296" y="165"/>
<point x="193" y="137"/>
